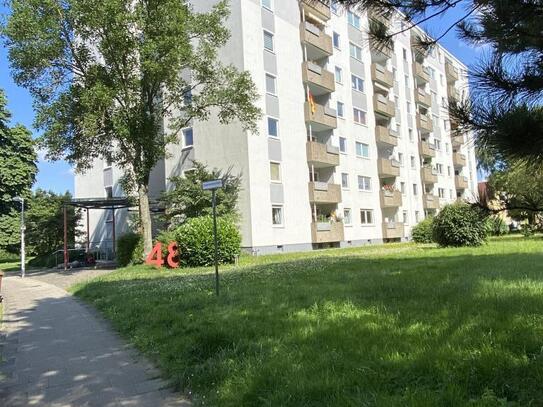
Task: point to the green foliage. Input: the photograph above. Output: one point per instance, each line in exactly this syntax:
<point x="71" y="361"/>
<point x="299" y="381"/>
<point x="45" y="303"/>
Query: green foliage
<point x="7" y="256"/>
<point x="129" y="249"/>
<point x="495" y="226"/>
<point x="188" y="200"/>
<point x="17" y="174"/>
<point x="422" y="232"/>
<point x="383" y="325"/>
<point x="45" y="222"/>
<point x="459" y="224"/>
<point x="195" y="241"/>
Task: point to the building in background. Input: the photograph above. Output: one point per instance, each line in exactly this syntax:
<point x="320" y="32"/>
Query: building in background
<point x="355" y="143"/>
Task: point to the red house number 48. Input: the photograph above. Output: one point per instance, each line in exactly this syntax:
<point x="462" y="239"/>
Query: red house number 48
<point x="154" y="258"/>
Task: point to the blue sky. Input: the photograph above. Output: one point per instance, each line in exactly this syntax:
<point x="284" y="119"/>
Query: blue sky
<point x="58" y="177"/>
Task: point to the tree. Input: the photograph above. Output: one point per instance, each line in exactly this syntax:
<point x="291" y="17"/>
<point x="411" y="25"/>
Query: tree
<point x="45" y="222"/>
<point x="17" y="174"/>
<point x="188" y="200"/>
<point x="119" y="80"/>
<point x="504" y="109"/>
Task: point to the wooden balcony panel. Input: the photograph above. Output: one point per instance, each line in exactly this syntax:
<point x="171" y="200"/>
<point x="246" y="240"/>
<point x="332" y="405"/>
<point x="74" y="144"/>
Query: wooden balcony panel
<point x="393" y="230"/>
<point x="426" y="149"/>
<point x="314" y="36"/>
<point x="383" y="105"/>
<point x="391" y="199"/>
<point x="319" y="9"/>
<point x="322" y="192"/>
<point x="420" y="73"/>
<point x="315" y="75"/>
<point x="325" y="232"/>
<point x="323" y="116"/>
<point x="322" y="154"/>
<point x="388" y="168"/>
<point x="424" y="124"/>
<point x="459" y="160"/>
<point x="430" y="201"/>
<point x="461" y="182"/>
<point x="384" y="136"/>
<point x="382" y="75"/>
<point x="450" y="72"/>
<point x="423" y="98"/>
<point x="428" y="175"/>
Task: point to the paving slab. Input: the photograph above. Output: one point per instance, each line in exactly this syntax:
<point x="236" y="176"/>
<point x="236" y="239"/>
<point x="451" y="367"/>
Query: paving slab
<point x="57" y="351"/>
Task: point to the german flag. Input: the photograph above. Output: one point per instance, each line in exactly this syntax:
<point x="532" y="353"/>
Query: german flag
<point x="311" y="102"/>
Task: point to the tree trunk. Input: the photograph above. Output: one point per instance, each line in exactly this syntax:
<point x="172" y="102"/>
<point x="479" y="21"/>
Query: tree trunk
<point x="145" y="219"/>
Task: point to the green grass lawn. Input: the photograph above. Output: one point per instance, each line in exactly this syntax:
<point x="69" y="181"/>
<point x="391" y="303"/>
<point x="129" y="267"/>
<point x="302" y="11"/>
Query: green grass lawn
<point x="399" y="324"/>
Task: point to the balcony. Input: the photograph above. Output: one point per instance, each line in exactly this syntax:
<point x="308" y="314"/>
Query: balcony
<point x="382" y="75"/>
<point x="428" y="175"/>
<point x="376" y="16"/>
<point x="316" y="8"/>
<point x="323" y="192"/>
<point x="420" y="73"/>
<point x="322" y="155"/>
<point x="424" y="124"/>
<point x="324" y="232"/>
<point x="423" y="98"/>
<point x="319" y="44"/>
<point x="319" y="79"/>
<point x="392" y="230"/>
<point x="457" y="140"/>
<point x="385" y="136"/>
<point x="450" y="72"/>
<point x="388" y="168"/>
<point x="391" y="199"/>
<point x="452" y="93"/>
<point x="426" y="149"/>
<point x="459" y="160"/>
<point x="324" y="117"/>
<point x="380" y="51"/>
<point x="461" y="182"/>
<point x="383" y="106"/>
<point x="430" y="201"/>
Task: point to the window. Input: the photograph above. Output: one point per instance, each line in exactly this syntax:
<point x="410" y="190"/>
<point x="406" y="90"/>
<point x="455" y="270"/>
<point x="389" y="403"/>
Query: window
<point x="357" y="83"/>
<point x="413" y="162"/>
<point x="449" y="170"/>
<point x="347" y="218"/>
<point x="446" y="147"/>
<point x="404" y="54"/>
<point x="441" y="80"/>
<point x="270" y="84"/>
<point x="400" y="159"/>
<point x="366" y="216"/>
<point x="441" y="192"/>
<point x="432" y="72"/>
<point x="275" y="172"/>
<point x="277" y="215"/>
<point x="188" y="137"/>
<point x="417" y="216"/>
<point x="335" y="40"/>
<point x="273" y="127"/>
<point x="344" y="180"/>
<point x="364" y="183"/>
<point x="439" y="168"/>
<point x="267" y="4"/>
<point x="353" y="19"/>
<point x="359" y="116"/>
<point x="408" y="107"/>
<point x="405" y="217"/>
<point x="437" y="144"/>
<point x="268" y="41"/>
<point x="411" y="137"/>
<point x="355" y="51"/>
<point x="334" y="7"/>
<point x="362" y="150"/>
<point x="343" y="144"/>
<point x="451" y="193"/>
<point x="109" y="194"/>
<point x="406" y="78"/>
<point x="339" y="74"/>
<point x="415" y="189"/>
<point x="340" y="112"/>
<point x="402" y="187"/>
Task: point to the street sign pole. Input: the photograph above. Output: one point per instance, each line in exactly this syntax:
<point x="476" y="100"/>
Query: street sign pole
<point x="214" y="204"/>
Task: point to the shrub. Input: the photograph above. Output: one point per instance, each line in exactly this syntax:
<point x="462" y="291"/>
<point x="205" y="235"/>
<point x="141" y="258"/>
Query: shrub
<point x="422" y="231"/>
<point x="129" y="249"/>
<point x="459" y="224"/>
<point x="6" y="256"/>
<point x="195" y="241"/>
<point x="495" y="226"/>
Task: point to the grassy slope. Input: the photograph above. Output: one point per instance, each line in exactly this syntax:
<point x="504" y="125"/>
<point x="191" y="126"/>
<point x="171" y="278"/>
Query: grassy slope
<point x="381" y="325"/>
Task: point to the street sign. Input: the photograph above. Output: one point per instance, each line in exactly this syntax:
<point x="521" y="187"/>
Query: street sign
<point x="216" y="183"/>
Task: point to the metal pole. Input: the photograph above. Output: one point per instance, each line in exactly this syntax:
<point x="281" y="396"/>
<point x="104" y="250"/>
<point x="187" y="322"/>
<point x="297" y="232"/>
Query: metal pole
<point x="65" y="239"/>
<point x="215" y="242"/>
<point x="113" y="229"/>
<point x="23" y="254"/>
<point x="88" y="233"/>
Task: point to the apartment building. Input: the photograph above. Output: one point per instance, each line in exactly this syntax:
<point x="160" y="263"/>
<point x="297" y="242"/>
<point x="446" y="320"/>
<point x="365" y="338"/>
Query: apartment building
<point x="355" y="143"/>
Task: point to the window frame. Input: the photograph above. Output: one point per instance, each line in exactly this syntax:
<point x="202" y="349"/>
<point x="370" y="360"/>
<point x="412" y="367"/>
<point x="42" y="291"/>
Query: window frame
<point x="268" y="118"/>
<point x="366" y="212"/>
<point x="357" y="80"/>
<point x="185" y="145"/>
<point x="282" y="212"/>
<point x="280" y="172"/>
<point x="365" y="178"/>
<point x="272" y="36"/>
<point x="274" y="77"/>
<point x="346" y="174"/>
<point x="364" y="115"/>
<point x="367" y="149"/>
<point x="352" y="46"/>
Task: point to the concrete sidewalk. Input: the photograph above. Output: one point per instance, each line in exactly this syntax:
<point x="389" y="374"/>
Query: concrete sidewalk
<point x="58" y="352"/>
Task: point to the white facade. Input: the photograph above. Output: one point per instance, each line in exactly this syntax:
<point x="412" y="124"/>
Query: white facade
<point x="325" y="179"/>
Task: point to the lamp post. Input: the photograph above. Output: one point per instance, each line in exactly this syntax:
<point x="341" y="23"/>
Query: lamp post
<point x="21" y="200"/>
<point x="213" y="186"/>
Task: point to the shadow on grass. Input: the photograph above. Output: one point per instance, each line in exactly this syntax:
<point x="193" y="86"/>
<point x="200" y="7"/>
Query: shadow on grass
<point x="342" y="331"/>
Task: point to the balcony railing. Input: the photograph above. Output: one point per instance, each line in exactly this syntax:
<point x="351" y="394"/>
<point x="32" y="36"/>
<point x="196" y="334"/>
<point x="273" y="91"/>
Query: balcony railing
<point x="428" y="175"/>
<point x="451" y="72"/>
<point x="392" y="230"/>
<point x="323" y="115"/>
<point x="324" y="232"/>
<point x="382" y="75"/>
<point x="452" y="93"/>
<point x="424" y="124"/>
<point x="460" y="182"/>
<point x="322" y="155"/>
<point x="459" y="160"/>
<point x="423" y="98"/>
<point x="383" y="105"/>
<point x="391" y="199"/>
<point x="426" y="149"/>
<point x="315" y="37"/>
<point x="383" y="135"/>
<point x="430" y="201"/>
<point x="377" y="48"/>
<point x="375" y="15"/>
<point x="323" y="192"/>
<point x="420" y="72"/>
<point x="317" y="76"/>
<point x="320" y="9"/>
<point x="388" y="168"/>
<point x="457" y="140"/>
